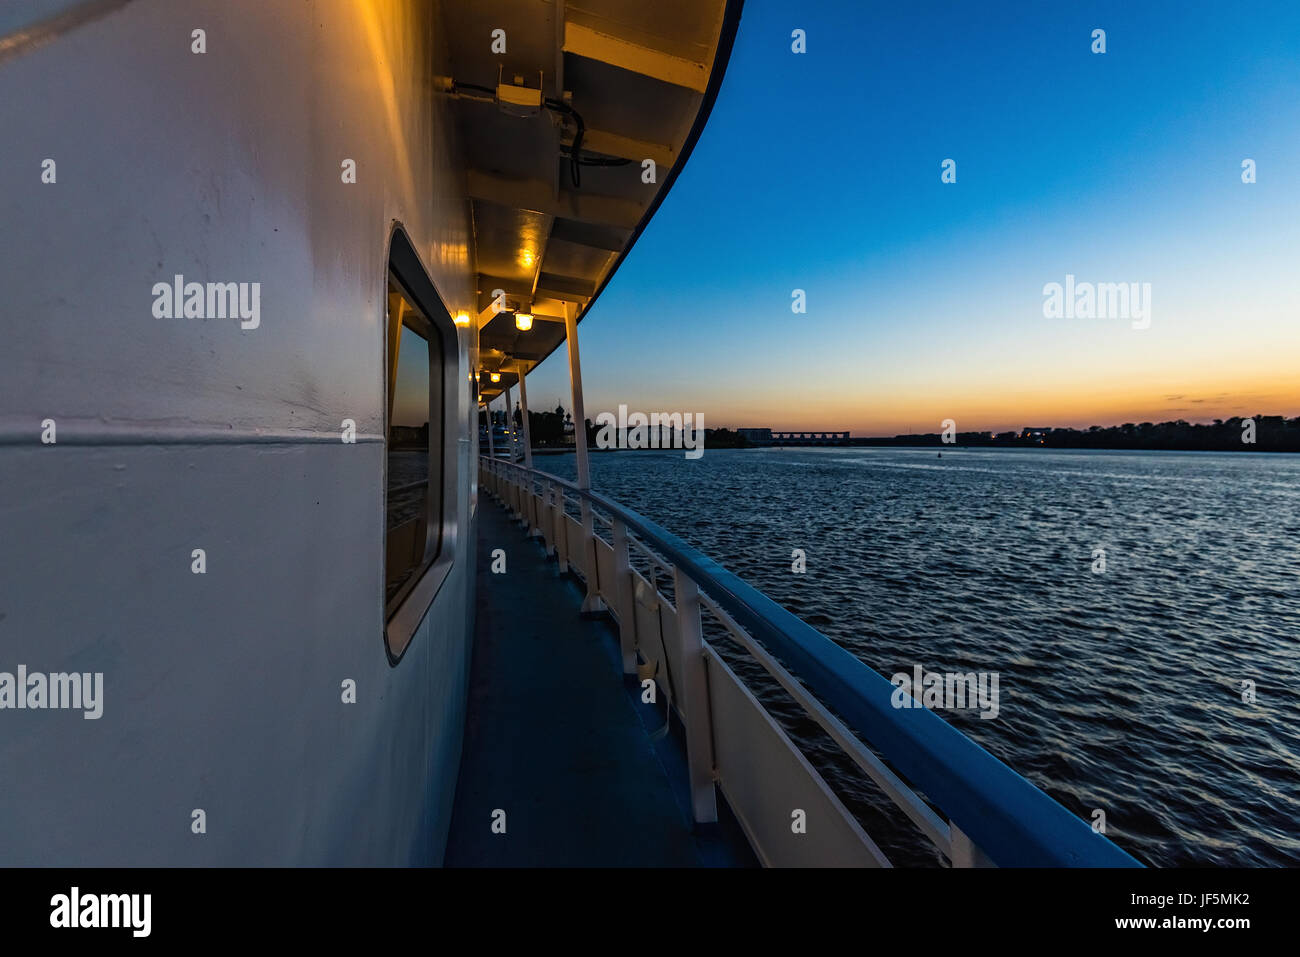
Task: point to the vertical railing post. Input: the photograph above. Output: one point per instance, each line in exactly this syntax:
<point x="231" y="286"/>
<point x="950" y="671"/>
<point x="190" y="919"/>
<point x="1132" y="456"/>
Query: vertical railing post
<point x="696" y="713"/>
<point x="510" y="425"/>
<point x="965" y="852"/>
<point x="623" y="600"/>
<point x="544" y="515"/>
<point x="523" y="414"/>
<point x="592" y="602"/>
<point x="544" y="521"/>
<point x="557" y="530"/>
<point x="530" y="516"/>
<point x="561" y="530"/>
<point x="530" y="504"/>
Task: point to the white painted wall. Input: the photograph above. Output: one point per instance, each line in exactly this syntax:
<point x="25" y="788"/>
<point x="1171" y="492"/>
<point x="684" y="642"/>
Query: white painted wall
<point x="222" y="691"/>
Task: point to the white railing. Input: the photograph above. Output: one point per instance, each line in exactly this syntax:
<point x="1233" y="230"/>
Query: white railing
<point x="788" y="812"/>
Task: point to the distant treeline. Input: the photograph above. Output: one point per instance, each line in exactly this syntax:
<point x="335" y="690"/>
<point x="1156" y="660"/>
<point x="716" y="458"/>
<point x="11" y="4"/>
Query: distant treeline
<point x="1271" y="433"/>
<point x="546" y="429"/>
<point x="409" y="437"/>
<point x="724" y="439"/>
<point x="553" y="430"/>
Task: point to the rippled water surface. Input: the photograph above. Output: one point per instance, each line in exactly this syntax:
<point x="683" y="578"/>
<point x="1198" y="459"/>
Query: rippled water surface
<point x="1119" y="691"/>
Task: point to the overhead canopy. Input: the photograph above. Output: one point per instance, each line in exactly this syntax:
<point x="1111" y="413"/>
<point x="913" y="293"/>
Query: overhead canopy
<point x="638" y="79"/>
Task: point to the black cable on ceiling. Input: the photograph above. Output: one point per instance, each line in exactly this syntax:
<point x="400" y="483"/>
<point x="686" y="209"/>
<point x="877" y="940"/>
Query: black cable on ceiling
<point x="596" y="160"/>
<point x="457" y="87"/>
<point x="559" y="107"/>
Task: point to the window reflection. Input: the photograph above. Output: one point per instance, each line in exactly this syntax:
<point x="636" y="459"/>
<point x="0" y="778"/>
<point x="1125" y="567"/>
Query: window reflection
<point x="409" y="418"/>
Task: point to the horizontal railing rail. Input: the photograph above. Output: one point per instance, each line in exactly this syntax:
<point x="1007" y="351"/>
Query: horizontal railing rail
<point x="994" y="815"/>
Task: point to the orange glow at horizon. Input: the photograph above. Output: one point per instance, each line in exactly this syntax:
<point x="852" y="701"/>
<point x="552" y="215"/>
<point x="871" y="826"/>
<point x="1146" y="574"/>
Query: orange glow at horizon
<point x="867" y="414"/>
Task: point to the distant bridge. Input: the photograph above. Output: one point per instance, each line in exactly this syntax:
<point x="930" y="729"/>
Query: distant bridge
<point x="770" y="437"/>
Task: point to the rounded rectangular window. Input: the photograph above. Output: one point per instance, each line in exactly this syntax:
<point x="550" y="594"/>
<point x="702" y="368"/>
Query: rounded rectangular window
<point x="420" y="446"/>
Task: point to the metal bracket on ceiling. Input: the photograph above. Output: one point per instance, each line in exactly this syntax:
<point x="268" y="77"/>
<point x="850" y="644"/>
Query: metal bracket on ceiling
<point x="515" y="99"/>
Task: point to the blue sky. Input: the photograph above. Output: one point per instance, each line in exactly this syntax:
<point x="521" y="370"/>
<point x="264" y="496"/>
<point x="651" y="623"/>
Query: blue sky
<point x="821" y="171"/>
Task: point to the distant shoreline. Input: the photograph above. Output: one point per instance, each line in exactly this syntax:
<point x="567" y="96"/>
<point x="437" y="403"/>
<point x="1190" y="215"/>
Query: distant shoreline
<point x="875" y="444"/>
<point x="1258" y="433"/>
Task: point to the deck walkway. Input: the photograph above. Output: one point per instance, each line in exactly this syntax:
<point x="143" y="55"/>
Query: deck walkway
<point x="558" y="740"/>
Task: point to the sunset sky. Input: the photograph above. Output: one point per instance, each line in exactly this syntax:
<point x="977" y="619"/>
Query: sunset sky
<point x="821" y="172"/>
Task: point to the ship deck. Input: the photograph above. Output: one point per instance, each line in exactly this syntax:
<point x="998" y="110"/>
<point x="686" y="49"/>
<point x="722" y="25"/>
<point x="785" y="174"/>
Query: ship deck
<point x="557" y="739"/>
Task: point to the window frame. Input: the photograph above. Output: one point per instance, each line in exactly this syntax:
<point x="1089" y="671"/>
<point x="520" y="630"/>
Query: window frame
<point x="403" y="615"/>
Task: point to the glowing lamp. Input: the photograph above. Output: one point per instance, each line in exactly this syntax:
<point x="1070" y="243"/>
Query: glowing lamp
<point x="496" y="377"/>
<point x="462" y="319"/>
<point x="523" y="321"/>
